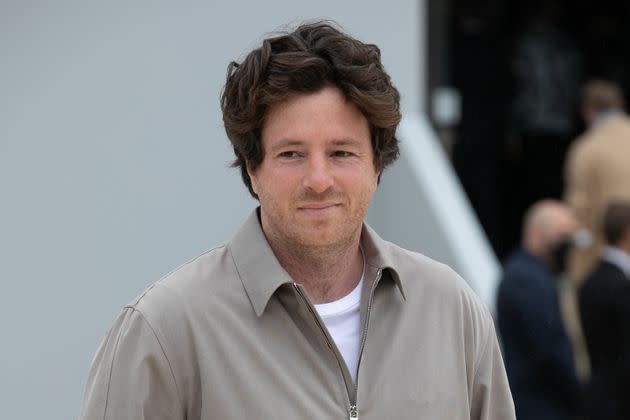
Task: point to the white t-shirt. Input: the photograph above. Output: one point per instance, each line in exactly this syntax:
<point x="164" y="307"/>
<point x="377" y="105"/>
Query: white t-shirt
<point x="343" y="321"/>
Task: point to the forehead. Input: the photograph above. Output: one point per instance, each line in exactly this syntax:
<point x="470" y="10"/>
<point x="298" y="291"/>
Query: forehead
<point x="323" y="115"/>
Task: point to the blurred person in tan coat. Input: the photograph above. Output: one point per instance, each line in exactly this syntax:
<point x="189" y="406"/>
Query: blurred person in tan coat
<point x="597" y="167"/>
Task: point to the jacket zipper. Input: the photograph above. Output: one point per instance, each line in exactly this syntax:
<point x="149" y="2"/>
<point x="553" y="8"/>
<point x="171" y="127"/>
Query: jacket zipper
<point x="352" y="397"/>
<point x="354" y="412"/>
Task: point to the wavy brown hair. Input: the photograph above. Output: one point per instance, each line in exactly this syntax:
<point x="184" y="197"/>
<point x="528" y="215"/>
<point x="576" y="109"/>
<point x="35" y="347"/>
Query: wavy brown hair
<point x="313" y="56"/>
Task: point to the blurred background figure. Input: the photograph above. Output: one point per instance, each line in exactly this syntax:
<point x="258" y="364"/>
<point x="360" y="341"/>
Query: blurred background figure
<point x="605" y="313"/>
<point x="546" y="68"/>
<point x="538" y="354"/>
<point x="546" y="73"/>
<point x="518" y="66"/>
<point x="598" y="166"/>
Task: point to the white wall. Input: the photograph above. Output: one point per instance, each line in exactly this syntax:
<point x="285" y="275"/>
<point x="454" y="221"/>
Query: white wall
<point x="421" y="206"/>
<point x="113" y="161"/>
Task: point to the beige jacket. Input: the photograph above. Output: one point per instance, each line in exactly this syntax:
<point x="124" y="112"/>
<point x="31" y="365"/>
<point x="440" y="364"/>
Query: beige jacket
<point x="597" y="170"/>
<point x="229" y="335"/>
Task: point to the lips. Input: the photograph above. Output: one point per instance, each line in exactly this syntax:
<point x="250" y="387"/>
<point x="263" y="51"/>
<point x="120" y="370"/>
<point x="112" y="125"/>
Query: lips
<point x="317" y="206"/>
<point x="319" y="210"/>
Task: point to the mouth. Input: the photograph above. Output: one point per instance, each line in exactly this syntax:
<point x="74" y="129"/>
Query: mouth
<point x="317" y="206"/>
<point x="319" y="209"/>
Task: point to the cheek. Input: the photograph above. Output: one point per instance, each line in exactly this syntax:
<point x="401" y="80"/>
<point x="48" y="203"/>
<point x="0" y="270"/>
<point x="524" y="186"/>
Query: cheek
<point x="363" y="188"/>
<point x="276" y="185"/>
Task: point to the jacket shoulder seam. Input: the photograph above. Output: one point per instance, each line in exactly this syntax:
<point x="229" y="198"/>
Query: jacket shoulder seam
<point x="111" y="372"/>
<point x="170" y="367"/>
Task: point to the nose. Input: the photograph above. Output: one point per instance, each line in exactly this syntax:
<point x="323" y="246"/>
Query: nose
<point x="318" y="177"/>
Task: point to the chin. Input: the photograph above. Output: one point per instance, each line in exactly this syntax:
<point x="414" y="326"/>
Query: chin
<point x="323" y="237"/>
<point x="317" y="241"/>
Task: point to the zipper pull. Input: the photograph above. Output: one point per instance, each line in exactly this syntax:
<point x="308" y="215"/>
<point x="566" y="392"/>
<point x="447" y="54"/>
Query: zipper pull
<point x="354" y="414"/>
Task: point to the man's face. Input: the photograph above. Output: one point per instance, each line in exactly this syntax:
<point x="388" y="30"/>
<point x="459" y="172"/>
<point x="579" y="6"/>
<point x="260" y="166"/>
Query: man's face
<point x="564" y="225"/>
<point x="317" y="177"/>
<point x="560" y="237"/>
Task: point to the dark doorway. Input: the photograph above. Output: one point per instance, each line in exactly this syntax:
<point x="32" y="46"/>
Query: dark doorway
<point x="518" y="66"/>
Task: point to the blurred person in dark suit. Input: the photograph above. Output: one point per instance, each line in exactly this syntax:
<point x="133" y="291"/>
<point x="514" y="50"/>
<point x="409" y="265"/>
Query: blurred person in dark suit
<point x="605" y="312"/>
<point x="597" y="167"/>
<point x="538" y="354"/>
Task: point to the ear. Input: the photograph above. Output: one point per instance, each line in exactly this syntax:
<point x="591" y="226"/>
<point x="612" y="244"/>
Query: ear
<point x="378" y="174"/>
<point x="252" y="176"/>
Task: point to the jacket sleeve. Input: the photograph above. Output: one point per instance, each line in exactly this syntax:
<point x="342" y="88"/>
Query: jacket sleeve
<point x="131" y="377"/>
<point x="491" y="396"/>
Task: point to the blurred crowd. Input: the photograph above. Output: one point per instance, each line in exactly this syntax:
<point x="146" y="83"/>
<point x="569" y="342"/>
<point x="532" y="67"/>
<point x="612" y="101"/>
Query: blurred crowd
<point x="543" y="152"/>
<point x="519" y="67"/>
<point x="566" y="343"/>
<point x="563" y="304"/>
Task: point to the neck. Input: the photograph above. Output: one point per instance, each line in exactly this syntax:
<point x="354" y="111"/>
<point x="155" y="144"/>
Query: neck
<point x="599" y="116"/>
<point x="327" y="274"/>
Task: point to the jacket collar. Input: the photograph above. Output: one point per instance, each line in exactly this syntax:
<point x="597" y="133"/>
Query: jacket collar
<point x="261" y="273"/>
<point x="606" y="115"/>
<point x="618" y="258"/>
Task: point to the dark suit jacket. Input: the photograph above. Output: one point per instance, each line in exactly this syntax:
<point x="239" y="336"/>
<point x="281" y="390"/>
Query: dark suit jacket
<point x="538" y="354"/>
<point x="605" y="312"/>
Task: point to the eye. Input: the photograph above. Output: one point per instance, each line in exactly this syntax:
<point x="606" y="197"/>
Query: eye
<point x="342" y="153"/>
<point x="289" y="154"/>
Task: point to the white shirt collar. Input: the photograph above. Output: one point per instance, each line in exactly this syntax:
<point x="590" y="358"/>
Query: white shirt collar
<point x="618" y="258"/>
<point x="604" y="115"/>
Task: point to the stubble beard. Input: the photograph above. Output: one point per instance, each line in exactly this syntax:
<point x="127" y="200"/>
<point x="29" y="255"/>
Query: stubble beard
<point x="306" y="244"/>
<point x="300" y="244"/>
<point x="311" y="243"/>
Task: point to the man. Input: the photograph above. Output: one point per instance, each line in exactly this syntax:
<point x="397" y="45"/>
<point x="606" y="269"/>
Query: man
<point x="538" y="354"/>
<point x="605" y="312"/>
<point x="306" y="312"/>
<point x="597" y="167"/>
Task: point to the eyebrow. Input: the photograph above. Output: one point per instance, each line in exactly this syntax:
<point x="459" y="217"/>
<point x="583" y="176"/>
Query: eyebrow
<point x="286" y="143"/>
<point x="293" y="143"/>
<point x="345" y="142"/>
